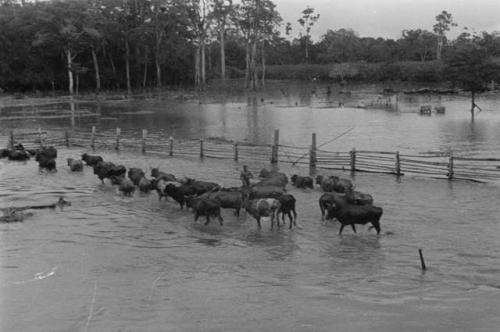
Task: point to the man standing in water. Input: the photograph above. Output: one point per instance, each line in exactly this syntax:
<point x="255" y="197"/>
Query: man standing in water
<point x="245" y="176"/>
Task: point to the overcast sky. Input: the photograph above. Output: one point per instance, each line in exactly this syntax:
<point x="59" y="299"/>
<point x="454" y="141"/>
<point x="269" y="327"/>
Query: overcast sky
<point x="387" y="18"/>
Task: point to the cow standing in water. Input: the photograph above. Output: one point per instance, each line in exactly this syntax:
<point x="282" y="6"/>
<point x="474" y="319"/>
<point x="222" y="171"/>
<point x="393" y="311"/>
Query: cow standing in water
<point x="264" y="207"/>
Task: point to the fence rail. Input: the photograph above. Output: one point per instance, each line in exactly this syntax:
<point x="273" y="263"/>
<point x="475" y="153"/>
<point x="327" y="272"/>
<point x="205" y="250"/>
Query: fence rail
<point x="440" y="166"/>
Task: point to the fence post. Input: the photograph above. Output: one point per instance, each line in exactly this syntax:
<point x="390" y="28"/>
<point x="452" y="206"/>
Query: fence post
<point x="144" y="136"/>
<point x="202" y="153"/>
<point x="66" y="138"/>
<point x="450" y="167"/>
<point x="312" y="154"/>
<point x="274" y="151"/>
<point x="11" y="140"/>
<point x="398" y="164"/>
<point x="92" y="138"/>
<point x="235" y="148"/>
<point x="353" y="160"/>
<point x="118" y="132"/>
<point x="40" y="136"/>
<point x="171" y="150"/>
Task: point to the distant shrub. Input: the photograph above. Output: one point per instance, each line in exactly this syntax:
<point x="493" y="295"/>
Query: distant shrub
<point x="298" y="72"/>
<point x="415" y="71"/>
<point x="412" y="71"/>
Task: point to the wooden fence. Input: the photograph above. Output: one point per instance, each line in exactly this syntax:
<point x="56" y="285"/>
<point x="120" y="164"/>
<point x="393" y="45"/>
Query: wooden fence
<point x="441" y="166"/>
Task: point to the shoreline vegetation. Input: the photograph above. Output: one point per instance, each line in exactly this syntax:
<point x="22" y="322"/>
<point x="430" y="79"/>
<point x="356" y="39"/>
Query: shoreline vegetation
<point x="132" y="45"/>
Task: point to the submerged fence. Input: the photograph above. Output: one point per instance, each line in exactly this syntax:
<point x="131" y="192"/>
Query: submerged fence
<point x="441" y="166"/>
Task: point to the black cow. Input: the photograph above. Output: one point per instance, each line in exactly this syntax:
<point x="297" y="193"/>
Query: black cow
<point x="227" y="199"/>
<point x="126" y="186"/>
<point x="302" y="181"/>
<point x="145" y="185"/>
<point x="351" y="214"/>
<point x="205" y="206"/>
<point x="333" y="183"/>
<point x="200" y="187"/>
<point x="91" y="160"/>
<point x="157" y="174"/>
<point x="18" y="153"/>
<point x="75" y="165"/>
<point x="47" y="152"/>
<point x="179" y="193"/>
<point x="135" y="175"/>
<point x="287" y="206"/>
<point x="262" y="192"/>
<point x="105" y="170"/>
<point x="46" y="162"/>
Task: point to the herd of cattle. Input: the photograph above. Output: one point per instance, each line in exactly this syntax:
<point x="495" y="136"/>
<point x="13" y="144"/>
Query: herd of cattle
<point x="267" y="198"/>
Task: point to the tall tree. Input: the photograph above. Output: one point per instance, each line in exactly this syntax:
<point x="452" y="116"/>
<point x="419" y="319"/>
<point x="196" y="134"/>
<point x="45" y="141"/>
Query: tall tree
<point x="443" y="24"/>
<point x="62" y="24"/>
<point x="221" y="9"/>
<point x="307" y="21"/>
<point x="93" y="29"/>
<point x="418" y="44"/>
<point x="257" y="20"/>
<point x="469" y="66"/>
<point x="341" y="45"/>
<point x="199" y="18"/>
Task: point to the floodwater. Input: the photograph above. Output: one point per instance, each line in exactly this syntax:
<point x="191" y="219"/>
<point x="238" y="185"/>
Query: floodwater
<point x="368" y="119"/>
<point x="110" y="263"/>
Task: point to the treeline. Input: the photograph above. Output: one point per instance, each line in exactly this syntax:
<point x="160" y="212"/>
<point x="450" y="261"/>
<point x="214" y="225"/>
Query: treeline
<point x="93" y="45"/>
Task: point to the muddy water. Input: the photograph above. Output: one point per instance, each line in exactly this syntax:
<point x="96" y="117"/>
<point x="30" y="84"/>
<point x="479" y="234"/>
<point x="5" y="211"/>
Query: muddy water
<point x="366" y="120"/>
<point x="110" y="263"/>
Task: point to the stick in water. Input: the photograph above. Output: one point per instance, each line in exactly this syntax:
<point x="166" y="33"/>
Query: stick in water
<point x="422" y="263"/>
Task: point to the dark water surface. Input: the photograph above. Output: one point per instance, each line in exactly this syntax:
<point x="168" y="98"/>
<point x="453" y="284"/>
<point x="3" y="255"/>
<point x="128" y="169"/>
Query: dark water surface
<point x="386" y="122"/>
<point x="110" y="263"/>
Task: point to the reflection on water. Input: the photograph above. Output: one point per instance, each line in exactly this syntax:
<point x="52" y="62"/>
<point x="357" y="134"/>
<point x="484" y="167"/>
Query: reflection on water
<point x="388" y="122"/>
<point x="109" y="263"/>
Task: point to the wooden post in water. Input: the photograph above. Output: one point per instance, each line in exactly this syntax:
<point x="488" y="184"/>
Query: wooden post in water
<point x="274" y="150"/>
<point x="422" y="262"/>
<point x="66" y="138"/>
<point x="398" y="164"/>
<point x="144" y="136"/>
<point x="353" y="160"/>
<point x="202" y="152"/>
<point x="171" y="143"/>
<point x="235" y="148"/>
<point x="92" y="138"/>
<point x="312" y="154"/>
<point x="451" y="173"/>
<point x="11" y="140"/>
<point x="40" y="136"/>
<point x="118" y="132"/>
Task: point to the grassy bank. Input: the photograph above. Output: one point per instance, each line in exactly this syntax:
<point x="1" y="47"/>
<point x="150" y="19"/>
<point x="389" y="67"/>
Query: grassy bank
<point x="411" y="71"/>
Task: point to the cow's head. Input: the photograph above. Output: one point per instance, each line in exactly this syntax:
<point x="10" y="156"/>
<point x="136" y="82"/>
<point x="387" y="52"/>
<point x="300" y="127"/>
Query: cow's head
<point x="331" y="210"/>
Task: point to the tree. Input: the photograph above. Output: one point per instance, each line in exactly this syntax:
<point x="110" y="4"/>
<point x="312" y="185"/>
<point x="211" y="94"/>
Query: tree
<point x="444" y="21"/>
<point x="221" y="9"/>
<point x="469" y="66"/>
<point x="418" y="44"/>
<point x="199" y="20"/>
<point x="307" y="20"/>
<point x="93" y="29"/>
<point x="341" y="45"/>
<point x="257" y="21"/>
<point x="62" y="24"/>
